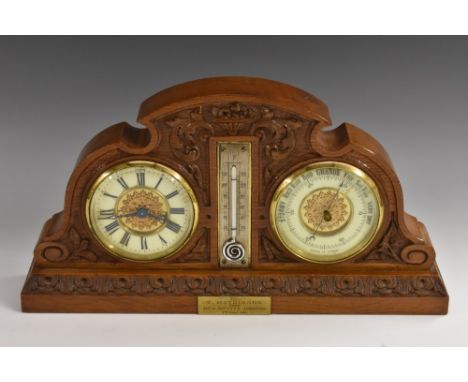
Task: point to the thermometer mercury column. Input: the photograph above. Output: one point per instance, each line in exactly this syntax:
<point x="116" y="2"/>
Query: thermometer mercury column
<point x="233" y="202"/>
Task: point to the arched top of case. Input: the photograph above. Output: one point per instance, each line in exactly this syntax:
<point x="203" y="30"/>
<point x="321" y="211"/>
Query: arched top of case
<point x="236" y="89"/>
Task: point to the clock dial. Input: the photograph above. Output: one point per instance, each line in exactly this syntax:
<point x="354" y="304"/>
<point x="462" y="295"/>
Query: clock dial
<point x="327" y="212"/>
<point x="142" y="210"/>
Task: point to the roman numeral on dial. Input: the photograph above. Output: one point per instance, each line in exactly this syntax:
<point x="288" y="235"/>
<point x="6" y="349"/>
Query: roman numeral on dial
<point x="125" y="238"/>
<point x="177" y="211"/>
<point x="143" y="242"/>
<point x="159" y="181"/>
<point x="110" y="195"/>
<point x="141" y="177"/>
<point x="172" y="194"/>
<point x="174" y="227"/>
<point x="162" y="239"/>
<point x="122" y="182"/>
<point x="107" y="214"/>
<point x="112" y="227"/>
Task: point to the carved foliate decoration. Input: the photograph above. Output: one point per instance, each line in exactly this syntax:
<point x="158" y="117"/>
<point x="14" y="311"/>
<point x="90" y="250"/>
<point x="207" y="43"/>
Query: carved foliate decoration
<point x="276" y="131"/>
<point x="190" y="130"/>
<point x="73" y="249"/>
<point x="188" y="138"/>
<point x="232" y="118"/>
<point x="199" y="253"/>
<point x="320" y="285"/>
<point x="80" y="247"/>
<point x="270" y="253"/>
<point x="390" y="248"/>
<point x="80" y="250"/>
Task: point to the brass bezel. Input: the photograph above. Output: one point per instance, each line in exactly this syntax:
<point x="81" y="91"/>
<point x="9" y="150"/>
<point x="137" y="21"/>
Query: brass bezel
<point x="342" y="256"/>
<point x="127" y="255"/>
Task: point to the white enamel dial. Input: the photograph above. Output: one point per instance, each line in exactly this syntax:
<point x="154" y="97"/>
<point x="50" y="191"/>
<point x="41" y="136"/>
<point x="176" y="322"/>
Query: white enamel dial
<point x="327" y="212"/>
<point x="142" y="210"/>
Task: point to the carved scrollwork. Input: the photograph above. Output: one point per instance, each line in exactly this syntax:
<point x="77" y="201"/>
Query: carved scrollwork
<point x="53" y="251"/>
<point x="233" y="118"/>
<point x="277" y="138"/>
<point x="189" y="135"/>
<point x="73" y="248"/>
<point x="417" y="254"/>
<point x="385" y="285"/>
<point x="389" y="248"/>
<point x="80" y="247"/>
<point x="190" y="130"/>
<point x="84" y="285"/>
<point x="395" y="248"/>
<point x="320" y="285"/>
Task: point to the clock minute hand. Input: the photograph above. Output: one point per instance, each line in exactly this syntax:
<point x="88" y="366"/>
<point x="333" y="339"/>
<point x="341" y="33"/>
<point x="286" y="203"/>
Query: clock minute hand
<point x="161" y="218"/>
<point x="127" y="215"/>
<point x="142" y="213"/>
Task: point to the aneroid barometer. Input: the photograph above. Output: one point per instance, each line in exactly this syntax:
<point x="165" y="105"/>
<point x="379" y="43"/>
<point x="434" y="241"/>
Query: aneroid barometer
<point x="234" y="199"/>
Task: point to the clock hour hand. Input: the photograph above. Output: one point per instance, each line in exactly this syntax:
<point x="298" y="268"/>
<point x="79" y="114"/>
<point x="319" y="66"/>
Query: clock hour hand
<point x="143" y="213"/>
<point x="135" y="213"/>
<point x="140" y="213"/>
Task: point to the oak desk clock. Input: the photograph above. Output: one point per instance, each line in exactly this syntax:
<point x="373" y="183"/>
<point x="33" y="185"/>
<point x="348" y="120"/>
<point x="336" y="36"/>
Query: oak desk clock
<point x="234" y="198"/>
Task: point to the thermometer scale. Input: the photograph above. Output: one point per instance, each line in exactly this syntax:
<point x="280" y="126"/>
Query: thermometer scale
<point x="234" y="182"/>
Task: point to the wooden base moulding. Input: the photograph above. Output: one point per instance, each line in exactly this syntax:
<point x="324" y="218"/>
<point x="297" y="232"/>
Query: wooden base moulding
<point x="177" y="292"/>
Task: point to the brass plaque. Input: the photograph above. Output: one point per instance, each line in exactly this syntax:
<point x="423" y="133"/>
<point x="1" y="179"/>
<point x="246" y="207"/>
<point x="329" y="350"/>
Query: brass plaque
<point x="234" y="305"/>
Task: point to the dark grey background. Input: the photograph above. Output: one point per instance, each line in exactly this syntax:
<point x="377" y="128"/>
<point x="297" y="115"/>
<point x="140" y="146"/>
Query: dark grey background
<point x="56" y="93"/>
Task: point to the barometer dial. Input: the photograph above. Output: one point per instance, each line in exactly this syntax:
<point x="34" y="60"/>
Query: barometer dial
<point x="327" y="212"/>
<point x="142" y="210"/>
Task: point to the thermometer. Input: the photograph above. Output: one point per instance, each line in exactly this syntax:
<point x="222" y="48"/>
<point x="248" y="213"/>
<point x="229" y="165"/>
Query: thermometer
<point x="234" y="200"/>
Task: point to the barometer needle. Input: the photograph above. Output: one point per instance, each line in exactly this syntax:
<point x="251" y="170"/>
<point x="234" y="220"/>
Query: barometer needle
<point x="330" y="204"/>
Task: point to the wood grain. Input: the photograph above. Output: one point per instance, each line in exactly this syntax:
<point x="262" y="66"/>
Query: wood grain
<point x="72" y="272"/>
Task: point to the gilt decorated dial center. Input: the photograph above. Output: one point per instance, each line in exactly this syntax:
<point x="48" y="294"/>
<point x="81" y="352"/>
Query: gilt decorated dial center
<point x="327" y="211"/>
<point x="141" y="210"/>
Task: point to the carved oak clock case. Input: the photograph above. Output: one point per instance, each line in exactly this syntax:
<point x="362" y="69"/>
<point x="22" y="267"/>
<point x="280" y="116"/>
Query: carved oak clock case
<point x="234" y="198"/>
